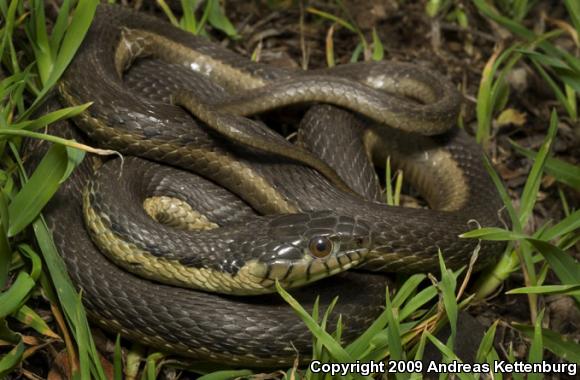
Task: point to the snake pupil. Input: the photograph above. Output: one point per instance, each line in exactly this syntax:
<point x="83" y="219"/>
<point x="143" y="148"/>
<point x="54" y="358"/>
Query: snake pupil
<point x="320" y="246"/>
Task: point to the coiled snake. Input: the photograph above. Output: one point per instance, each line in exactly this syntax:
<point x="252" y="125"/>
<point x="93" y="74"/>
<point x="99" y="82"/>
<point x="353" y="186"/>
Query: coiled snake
<point x="297" y="213"/>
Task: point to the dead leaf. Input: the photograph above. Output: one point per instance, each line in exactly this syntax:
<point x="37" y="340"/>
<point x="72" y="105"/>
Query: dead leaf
<point x="60" y="369"/>
<point x="511" y="116"/>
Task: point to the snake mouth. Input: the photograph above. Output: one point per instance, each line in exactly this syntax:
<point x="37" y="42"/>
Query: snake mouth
<point x="302" y="272"/>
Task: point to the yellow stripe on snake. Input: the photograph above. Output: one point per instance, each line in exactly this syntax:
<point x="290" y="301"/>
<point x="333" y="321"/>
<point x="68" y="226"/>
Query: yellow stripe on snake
<point x="178" y="107"/>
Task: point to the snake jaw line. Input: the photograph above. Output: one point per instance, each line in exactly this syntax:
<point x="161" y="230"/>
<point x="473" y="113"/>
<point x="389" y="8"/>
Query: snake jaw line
<point x="310" y="269"/>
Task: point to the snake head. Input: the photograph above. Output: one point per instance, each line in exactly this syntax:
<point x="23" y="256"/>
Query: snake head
<point x="307" y="247"/>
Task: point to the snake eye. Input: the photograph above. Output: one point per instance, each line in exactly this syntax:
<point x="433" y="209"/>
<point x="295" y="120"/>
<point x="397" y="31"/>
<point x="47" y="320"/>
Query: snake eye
<point x="320" y="246"/>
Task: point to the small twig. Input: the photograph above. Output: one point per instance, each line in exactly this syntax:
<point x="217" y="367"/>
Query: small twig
<point x="70" y="348"/>
<point x="303" y="47"/>
<point x="459" y="29"/>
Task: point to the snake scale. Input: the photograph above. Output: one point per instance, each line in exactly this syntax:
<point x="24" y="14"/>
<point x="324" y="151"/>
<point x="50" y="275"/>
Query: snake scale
<point x="132" y="67"/>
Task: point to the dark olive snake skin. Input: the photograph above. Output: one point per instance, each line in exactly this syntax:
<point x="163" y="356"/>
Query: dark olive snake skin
<point x="132" y="114"/>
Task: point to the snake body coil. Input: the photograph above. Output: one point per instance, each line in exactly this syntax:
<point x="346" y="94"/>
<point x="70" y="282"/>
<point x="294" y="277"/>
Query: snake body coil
<point x="297" y="192"/>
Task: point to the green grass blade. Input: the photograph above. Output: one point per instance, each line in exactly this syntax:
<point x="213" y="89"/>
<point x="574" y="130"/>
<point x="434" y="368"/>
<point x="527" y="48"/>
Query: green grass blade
<point x="338" y="332"/>
<point x="565" y="226"/>
<point x="394" y="336"/>
<point x="503" y="195"/>
<point x="492" y="90"/>
<point x="169" y="13"/>
<point x="434" y="7"/>
<point x="564" y="201"/>
<point x="332" y="18"/>
<point x="533" y="182"/>
<point x="484" y="106"/>
<point x="49" y="118"/>
<point x="359" y="346"/>
<point x="39" y="40"/>
<point x="513" y="26"/>
<point x="394" y="332"/>
<point x="188" y="22"/>
<point x="338" y="353"/>
<point x="447" y="287"/>
<point x="486" y="344"/>
<point x="520" y="9"/>
<point x="152" y="366"/>
<point x="36" y="193"/>
<point x="409" y="287"/>
<point x="418" y="301"/>
<point x="562" y="98"/>
<point x="60" y="26"/>
<point x="564" y="348"/>
<point x="226" y="375"/>
<point x="535" y="354"/>
<point x="389" y="199"/>
<point x="328" y="341"/>
<point x="573" y="8"/>
<point x="133" y="360"/>
<point x="564" y="265"/>
<point x="500" y="88"/>
<point x="378" y="48"/>
<point x="354" y="57"/>
<point x="200" y="28"/>
<point x="546" y="60"/>
<point x="490" y="359"/>
<point x="16" y="294"/>
<point x="7" y="335"/>
<point x="492" y="233"/>
<point x="5" y="249"/>
<point x="75" y="33"/>
<point x="68" y="298"/>
<point x="318" y="346"/>
<point x="218" y="19"/>
<point x="563" y="171"/>
<point x="7" y="85"/>
<point x="30" y="254"/>
<point x="447" y="352"/>
<point x="118" y="360"/>
<point x="30" y="318"/>
<point x="55" y="139"/>
<point x="7" y="31"/>
<point x="11" y="359"/>
<point x="527" y="34"/>
<point x="512" y="359"/>
<point x="329" y="47"/>
<point x="419" y="355"/>
<point x="548" y="289"/>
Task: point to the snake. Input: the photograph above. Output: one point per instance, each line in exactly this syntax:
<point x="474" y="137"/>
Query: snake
<point x="179" y="108"/>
